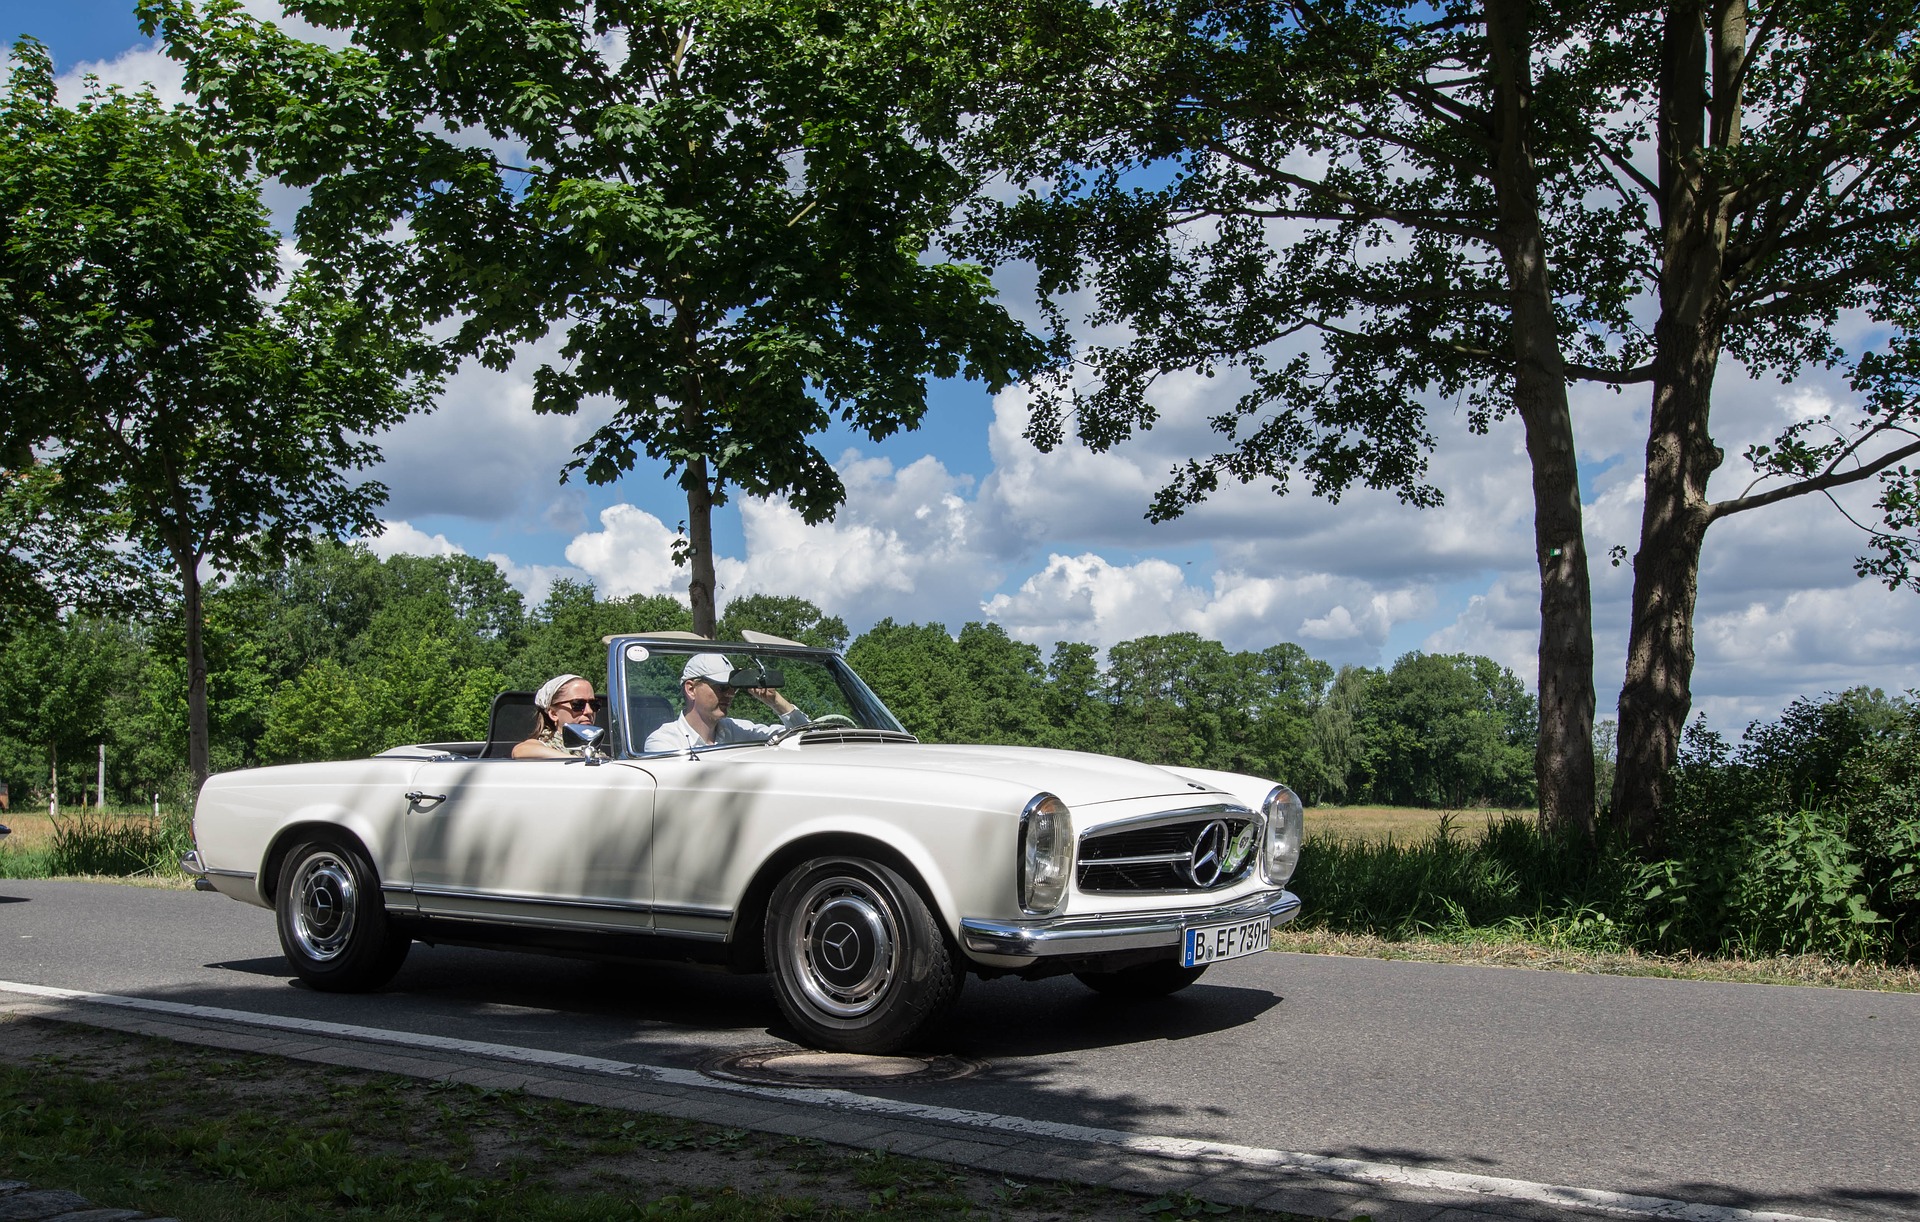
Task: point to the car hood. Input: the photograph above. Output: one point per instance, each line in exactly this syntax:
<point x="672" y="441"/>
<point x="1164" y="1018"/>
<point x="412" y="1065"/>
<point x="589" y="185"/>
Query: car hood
<point x="1076" y="778"/>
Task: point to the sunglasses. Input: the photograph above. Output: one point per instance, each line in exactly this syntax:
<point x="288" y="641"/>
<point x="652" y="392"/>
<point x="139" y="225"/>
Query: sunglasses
<point x="577" y="707"/>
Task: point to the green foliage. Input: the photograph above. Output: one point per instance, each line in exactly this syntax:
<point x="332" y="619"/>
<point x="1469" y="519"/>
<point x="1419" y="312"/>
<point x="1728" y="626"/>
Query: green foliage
<point x="89" y="841"/>
<point x="916" y="669"/>
<point x="796" y="619"/>
<point x="731" y="216"/>
<point x="1448" y="730"/>
<point x="156" y="363"/>
<point x="1803" y="840"/>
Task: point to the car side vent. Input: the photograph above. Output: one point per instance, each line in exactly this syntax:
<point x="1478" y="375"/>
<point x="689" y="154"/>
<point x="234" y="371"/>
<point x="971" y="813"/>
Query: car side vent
<point x="1190" y="855"/>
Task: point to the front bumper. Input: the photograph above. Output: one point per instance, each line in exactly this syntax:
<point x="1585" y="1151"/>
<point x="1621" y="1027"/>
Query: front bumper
<point x="1109" y="933"/>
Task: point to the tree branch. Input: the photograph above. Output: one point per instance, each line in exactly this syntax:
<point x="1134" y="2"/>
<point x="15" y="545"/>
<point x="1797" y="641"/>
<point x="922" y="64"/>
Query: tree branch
<point x="1825" y="481"/>
<point x="1613" y="377"/>
<point x="1357" y="209"/>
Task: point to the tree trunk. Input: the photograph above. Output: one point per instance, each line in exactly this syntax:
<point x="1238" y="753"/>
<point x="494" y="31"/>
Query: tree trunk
<point x="1658" y="692"/>
<point x="1696" y="223"/>
<point x="1563" y="752"/>
<point x="700" y="584"/>
<point x="193" y="611"/>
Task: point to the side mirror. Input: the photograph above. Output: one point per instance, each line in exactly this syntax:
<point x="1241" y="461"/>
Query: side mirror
<point x="585" y="737"/>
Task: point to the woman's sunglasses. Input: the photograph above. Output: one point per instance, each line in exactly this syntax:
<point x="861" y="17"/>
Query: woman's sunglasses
<point x="577" y="707"/>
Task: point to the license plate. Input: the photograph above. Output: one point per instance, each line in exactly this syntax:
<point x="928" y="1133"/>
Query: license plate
<point x="1212" y="943"/>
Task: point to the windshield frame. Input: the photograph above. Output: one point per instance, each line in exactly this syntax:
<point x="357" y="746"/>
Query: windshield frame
<point x="871" y="710"/>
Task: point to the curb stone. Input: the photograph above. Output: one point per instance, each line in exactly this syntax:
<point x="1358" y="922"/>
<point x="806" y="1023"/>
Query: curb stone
<point x="22" y="1202"/>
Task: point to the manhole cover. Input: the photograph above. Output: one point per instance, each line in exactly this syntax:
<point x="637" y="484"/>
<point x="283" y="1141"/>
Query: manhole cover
<point x="789" y="1066"/>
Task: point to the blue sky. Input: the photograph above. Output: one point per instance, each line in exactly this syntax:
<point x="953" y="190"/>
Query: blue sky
<point x="963" y="520"/>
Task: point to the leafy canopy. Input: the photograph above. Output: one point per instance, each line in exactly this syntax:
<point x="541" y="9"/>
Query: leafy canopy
<point x="725" y="204"/>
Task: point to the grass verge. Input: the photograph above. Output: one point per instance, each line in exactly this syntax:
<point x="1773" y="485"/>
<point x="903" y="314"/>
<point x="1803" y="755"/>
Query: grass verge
<point x="1492" y="948"/>
<point x="210" y="1136"/>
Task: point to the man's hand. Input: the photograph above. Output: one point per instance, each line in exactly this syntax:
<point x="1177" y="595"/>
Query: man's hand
<point x="772" y="698"/>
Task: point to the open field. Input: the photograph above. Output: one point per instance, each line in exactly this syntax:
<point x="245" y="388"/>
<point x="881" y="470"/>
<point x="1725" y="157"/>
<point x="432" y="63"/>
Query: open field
<point x="1401" y="824"/>
<point x="33" y="829"/>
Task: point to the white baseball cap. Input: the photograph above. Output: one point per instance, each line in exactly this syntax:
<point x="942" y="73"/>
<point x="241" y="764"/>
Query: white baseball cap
<point x="713" y="667"/>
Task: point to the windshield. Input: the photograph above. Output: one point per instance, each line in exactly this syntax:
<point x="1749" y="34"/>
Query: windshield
<point x="820" y="686"/>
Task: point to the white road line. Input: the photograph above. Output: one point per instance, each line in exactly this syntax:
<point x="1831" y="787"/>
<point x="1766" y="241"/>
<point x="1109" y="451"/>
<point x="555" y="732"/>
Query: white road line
<point x="1357" y="1170"/>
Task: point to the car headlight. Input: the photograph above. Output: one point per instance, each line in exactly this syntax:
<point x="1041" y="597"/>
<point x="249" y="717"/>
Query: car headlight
<point x="1046" y="853"/>
<point x="1286" y="824"/>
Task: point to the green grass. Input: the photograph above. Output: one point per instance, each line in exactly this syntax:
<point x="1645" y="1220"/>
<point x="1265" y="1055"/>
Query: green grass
<point x="85" y="841"/>
<point x="210" y="1136"/>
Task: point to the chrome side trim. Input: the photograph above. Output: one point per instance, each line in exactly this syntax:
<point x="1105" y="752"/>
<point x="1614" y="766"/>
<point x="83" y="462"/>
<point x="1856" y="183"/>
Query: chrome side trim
<point x="249" y="875"/>
<point x="625" y="906"/>
<point x="508" y="897"/>
<point x="1116" y="931"/>
<point x="694" y="910"/>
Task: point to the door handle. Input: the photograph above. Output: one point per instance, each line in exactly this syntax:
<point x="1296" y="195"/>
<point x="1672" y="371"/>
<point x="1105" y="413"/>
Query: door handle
<point x="415" y="796"/>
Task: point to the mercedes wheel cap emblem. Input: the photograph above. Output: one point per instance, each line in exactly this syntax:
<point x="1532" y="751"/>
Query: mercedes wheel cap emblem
<point x="838" y="946"/>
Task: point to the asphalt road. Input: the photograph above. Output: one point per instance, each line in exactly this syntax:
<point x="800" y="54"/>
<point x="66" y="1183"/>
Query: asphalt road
<point x="1803" y="1100"/>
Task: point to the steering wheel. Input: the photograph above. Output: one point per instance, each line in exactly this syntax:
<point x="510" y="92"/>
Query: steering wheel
<point x="826" y="721"/>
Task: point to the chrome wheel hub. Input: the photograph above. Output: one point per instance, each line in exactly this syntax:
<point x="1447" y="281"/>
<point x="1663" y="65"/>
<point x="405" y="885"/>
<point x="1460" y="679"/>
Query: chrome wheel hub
<point x="844" y="947"/>
<point x="325" y="898"/>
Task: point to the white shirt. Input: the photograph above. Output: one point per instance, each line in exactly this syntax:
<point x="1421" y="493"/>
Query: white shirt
<point x="679" y="734"/>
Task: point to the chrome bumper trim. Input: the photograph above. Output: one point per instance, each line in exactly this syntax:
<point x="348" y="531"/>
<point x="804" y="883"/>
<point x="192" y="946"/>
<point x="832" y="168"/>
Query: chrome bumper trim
<point x="1116" y="931"/>
<point x="192" y="864"/>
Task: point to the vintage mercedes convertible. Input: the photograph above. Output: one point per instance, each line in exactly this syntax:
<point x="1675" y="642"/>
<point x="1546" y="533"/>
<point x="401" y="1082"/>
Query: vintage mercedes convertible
<point x="865" y="871"/>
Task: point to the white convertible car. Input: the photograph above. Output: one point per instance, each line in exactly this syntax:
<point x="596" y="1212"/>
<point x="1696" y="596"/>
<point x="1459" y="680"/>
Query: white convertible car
<point x="868" y="873"/>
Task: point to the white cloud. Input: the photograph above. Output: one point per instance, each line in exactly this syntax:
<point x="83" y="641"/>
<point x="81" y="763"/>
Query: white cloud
<point x="631" y="553"/>
<point x="404" y="538"/>
<point x="483" y="453"/>
<point x="1088" y="598"/>
<point x="533" y="580"/>
<point x="134" y="69"/>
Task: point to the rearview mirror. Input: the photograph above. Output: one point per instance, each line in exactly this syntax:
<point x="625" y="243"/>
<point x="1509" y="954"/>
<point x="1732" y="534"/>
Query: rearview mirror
<point x="756" y="676"/>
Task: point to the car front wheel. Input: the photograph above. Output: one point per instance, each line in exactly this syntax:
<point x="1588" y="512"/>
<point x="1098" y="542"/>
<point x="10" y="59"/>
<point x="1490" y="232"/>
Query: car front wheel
<point x="333" y="923"/>
<point x="858" y="962"/>
<point x="1146" y="980"/>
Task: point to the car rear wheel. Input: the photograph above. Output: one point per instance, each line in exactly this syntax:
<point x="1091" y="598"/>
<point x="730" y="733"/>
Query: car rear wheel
<point x="1146" y="980"/>
<point x="858" y="962"/>
<point x="333" y="923"/>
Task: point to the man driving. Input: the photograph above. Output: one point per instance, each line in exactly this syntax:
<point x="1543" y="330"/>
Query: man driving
<point x="706" y="684"/>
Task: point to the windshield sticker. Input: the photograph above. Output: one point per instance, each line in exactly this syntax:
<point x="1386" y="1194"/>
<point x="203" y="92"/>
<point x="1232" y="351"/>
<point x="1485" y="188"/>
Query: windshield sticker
<point x="636" y="653"/>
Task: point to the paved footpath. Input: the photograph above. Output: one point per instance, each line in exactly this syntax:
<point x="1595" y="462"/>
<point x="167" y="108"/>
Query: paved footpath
<point x="24" y="1203"/>
<point x="1004" y="1146"/>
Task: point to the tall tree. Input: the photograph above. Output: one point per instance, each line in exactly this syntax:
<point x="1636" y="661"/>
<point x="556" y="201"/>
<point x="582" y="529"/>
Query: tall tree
<point x="1352" y="205"/>
<point x="726" y="204"/>
<point x="1488" y="198"/>
<point x="1785" y="191"/>
<point x="143" y="363"/>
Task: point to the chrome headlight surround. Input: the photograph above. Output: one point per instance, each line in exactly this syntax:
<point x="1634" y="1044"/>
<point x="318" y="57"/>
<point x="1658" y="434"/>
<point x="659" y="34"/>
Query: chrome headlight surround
<point x="1286" y="825"/>
<point x="1046" y="854"/>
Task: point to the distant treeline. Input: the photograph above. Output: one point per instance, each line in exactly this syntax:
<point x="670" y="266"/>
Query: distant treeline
<point x="343" y="654"/>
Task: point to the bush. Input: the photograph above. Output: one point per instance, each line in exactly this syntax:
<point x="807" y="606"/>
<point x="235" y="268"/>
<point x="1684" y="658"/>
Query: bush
<point x="90" y="841"/>
<point x="1804" y="839"/>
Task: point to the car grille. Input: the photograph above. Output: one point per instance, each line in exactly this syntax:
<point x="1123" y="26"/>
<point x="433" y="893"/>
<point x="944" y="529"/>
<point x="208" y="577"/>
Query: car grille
<point x="1203" y="852"/>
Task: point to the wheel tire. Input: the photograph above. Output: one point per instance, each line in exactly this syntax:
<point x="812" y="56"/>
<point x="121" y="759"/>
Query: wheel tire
<point x="857" y="960"/>
<point x="1146" y="980"/>
<point x="333" y="923"/>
